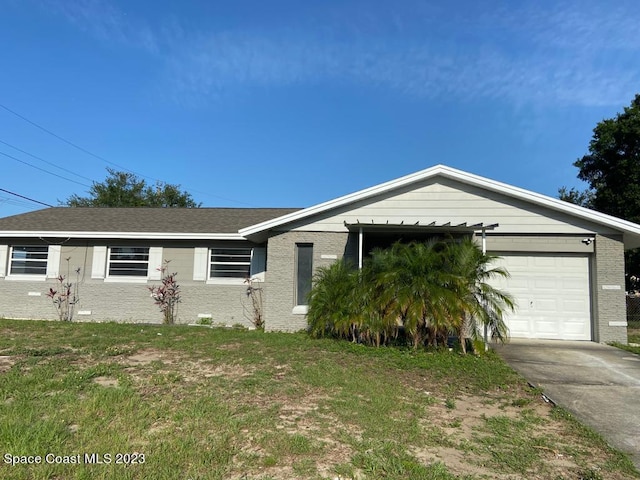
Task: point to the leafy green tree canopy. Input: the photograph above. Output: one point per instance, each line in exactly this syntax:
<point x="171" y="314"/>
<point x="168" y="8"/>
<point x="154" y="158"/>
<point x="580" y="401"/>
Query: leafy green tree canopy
<point x="612" y="170"/>
<point x="612" y="167"/>
<point x="124" y="189"/>
<point x="583" y="198"/>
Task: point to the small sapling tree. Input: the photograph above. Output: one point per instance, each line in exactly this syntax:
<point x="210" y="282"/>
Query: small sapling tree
<point x="167" y="294"/>
<point x="65" y="294"/>
<point x="254" y="294"/>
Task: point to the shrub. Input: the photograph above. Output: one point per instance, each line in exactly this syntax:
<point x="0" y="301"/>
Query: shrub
<point x="420" y="291"/>
<point x="65" y="295"/>
<point x="167" y="294"/>
<point x="333" y="301"/>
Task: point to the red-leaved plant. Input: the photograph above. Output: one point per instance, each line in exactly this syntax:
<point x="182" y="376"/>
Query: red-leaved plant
<point x="167" y="295"/>
<point x="65" y="295"/>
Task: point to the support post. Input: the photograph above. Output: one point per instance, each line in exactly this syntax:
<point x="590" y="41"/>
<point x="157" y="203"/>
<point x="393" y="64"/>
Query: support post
<point x="484" y="252"/>
<point x="360" y="248"/>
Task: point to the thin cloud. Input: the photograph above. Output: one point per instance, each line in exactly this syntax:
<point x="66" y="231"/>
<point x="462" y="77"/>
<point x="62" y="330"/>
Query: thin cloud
<point x="105" y="22"/>
<point x="578" y="53"/>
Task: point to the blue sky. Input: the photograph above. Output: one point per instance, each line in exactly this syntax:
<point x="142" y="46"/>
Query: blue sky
<point x="291" y="103"/>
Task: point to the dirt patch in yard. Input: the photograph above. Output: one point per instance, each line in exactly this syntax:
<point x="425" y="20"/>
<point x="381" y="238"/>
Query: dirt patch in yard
<point x="6" y="362"/>
<point x="106" y="381"/>
<point x="190" y="370"/>
<point x="466" y="424"/>
<point x="145" y="357"/>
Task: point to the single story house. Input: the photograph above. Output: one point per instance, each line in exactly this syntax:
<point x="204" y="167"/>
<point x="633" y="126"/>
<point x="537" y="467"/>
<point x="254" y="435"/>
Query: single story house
<point x="566" y="262"/>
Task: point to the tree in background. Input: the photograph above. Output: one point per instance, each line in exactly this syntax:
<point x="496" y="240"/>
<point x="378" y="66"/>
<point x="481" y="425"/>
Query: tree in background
<point x="583" y="198"/>
<point x="612" y="170"/>
<point x="124" y="189"/>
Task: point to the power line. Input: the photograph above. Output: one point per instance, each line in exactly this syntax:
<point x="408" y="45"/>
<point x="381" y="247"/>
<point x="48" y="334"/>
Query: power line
<point x="6" y="200"/>
<point x="43" y="170"/>
<point x="84" y="150"/>
<point x="26" y="198"/>
<point x="45" y="161"/>
<point x="68" y="142"/>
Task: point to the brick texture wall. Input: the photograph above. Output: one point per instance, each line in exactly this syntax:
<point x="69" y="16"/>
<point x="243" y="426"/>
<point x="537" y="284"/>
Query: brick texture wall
<point x="127" y="302"/>
<point x="280" y="280"/>
<point x="609" y="295"/>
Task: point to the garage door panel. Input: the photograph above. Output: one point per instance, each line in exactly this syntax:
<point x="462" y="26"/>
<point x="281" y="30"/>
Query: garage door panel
<point x="577" y="305"/>
<point x="547" y="306"/>
<point x="542" y="262"/>
<point x="574" y="328"/>
<point x="515" y="262"/>
<point x="552" y="294"/>
<point x="545" y="284"/>
<point x="515" y="283"/>
<point x="519" y="329"/>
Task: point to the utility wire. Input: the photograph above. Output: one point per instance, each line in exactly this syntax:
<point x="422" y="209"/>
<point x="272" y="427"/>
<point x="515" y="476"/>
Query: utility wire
<point x="70" y="143"/>
<point x="46" y="161"/>
<point x="5" y="200"/>
<point x="26" y="198"/>
<point x="84" y="150"/>
<point x="43" y="170"/>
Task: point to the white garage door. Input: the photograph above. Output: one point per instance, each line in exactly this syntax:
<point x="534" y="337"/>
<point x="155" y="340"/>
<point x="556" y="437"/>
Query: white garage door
<point x="552" y="295"/>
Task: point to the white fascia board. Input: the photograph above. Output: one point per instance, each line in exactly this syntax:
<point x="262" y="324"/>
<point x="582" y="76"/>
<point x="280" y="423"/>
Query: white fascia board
<point x="461" y="176"/>
<point x="338" y="202"/>
<point x="123" y="235"/>
<point x="543" y="200"/>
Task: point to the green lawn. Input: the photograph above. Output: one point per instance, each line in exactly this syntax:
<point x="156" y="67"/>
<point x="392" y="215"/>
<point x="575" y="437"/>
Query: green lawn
<point x="201" y="403"/>
<point x="633" y="334"/>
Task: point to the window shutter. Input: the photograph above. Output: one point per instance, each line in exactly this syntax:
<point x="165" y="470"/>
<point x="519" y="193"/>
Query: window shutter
<point x="99" y="262"/>
<point x="53" y="261"/>
<point x="4" y="249"/>
<point x="200" y="263"/>
<point x="155" y="263"/>
<point x="258" y="263"/>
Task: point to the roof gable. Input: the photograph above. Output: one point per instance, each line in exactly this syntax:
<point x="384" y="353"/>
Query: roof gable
<point x="535" y="202"/>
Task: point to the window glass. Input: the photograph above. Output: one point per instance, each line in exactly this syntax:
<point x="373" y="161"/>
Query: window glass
<point x="304" y="272"/>
<point x="29" y="260"/>
<point x="230" y="262"/>
<point x="129" y="261"/>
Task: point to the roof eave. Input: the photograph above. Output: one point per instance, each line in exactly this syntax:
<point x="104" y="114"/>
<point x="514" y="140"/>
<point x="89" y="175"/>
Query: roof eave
<point x="122" y="235"/>
<point x="628" y="228"/>
<point x="337" y="202"/>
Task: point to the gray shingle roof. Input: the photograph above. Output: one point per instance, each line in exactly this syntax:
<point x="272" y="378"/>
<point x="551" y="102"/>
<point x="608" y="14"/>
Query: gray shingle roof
<point x="156" y="220"/>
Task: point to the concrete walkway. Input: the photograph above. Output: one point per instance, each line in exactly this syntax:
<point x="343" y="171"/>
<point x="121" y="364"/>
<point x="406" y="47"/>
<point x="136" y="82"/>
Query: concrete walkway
<point x="599" y="384"/>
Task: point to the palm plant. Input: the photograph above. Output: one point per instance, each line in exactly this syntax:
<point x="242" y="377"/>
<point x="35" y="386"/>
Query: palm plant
<point x="416" y="287"/>
<point x="332" y="308"/>
<point x="477" y="301"/>
<point x="378" y="312"/>
<point x="429" y="289"/>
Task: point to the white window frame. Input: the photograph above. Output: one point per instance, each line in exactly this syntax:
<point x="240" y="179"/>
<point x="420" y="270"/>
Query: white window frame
<point x="38" y="277"/>
<point x="4" y="253"/>
<point x="127" y="278"/>
<point x="228" y="280"/>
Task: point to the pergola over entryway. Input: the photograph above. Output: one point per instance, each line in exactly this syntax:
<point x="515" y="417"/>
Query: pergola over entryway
<point x="416" y="230"/>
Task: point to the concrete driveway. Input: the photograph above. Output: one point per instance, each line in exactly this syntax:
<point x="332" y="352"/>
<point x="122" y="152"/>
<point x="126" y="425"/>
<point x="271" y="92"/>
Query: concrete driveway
<point x="599" y="384"/>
